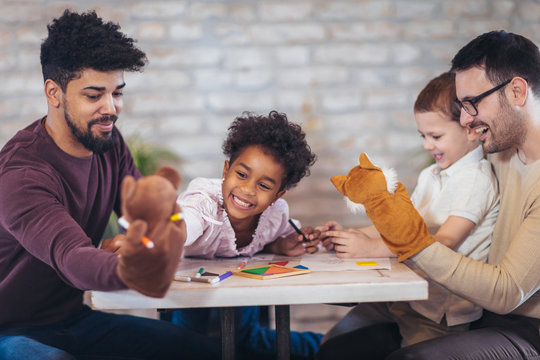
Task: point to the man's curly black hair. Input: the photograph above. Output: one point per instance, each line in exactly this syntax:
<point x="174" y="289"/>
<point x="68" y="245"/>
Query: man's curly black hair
<point x="83" y="41"/>
<point x="284" y="140"/>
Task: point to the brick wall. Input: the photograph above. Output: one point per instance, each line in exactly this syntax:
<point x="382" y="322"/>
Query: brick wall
<point x="347" y="70"/>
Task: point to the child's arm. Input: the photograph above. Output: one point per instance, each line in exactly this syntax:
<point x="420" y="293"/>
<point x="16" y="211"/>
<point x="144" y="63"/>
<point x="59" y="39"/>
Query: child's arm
<point x="293" y="244"/>
<point x="453" y="231"/>
<point x="366" y="242"/>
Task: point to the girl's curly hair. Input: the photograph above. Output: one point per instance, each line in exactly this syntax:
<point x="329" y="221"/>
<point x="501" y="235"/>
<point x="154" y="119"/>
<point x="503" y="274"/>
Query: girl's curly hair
<point x="284" y="140"/>
<point x="83" y="41"/>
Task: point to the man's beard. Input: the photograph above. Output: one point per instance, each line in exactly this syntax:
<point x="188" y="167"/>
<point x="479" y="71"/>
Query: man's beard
<point x="509" y="131"/>
<point x="95" y="144"/>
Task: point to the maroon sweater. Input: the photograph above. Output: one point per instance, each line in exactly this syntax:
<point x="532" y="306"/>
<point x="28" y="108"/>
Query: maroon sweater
<point x="53" y="211"/>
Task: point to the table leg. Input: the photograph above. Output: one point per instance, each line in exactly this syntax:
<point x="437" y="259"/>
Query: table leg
<point x="227" y="333"/>
<point x="283" y="329"/>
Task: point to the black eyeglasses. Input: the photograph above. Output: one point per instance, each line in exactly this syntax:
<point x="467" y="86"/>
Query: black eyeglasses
<point x="470" y="105"/>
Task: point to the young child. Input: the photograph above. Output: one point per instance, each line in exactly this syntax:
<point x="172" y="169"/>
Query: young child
<point x="458" y="198"/>
<point x="243" y="214"/>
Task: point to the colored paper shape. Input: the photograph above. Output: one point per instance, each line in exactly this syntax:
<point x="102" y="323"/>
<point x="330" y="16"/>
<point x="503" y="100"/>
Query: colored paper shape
<point x="366" y="263"/>
<point x="300" y="267"/>
<point x="282" y="263"/>
<point x="269" y="272"/>
<point x="259" y="271"/>
<point x="276" y="270"/>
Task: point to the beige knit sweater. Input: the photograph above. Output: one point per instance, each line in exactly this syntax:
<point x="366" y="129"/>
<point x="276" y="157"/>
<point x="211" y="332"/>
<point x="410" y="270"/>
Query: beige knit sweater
<point x="508" y="283"/>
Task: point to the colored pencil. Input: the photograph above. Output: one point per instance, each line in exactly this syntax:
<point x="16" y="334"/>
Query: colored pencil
<point x="298" y="231"/>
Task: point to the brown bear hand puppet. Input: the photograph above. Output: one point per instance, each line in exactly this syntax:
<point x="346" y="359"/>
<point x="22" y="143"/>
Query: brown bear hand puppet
<point x="150" y="252"/>
<point x="388" y="206"/>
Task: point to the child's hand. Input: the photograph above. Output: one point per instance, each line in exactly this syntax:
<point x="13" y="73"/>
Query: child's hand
<point x="313" y="239"/>
<point x="293" y="244"/>
<point x="325" y="237"/>
<point x="348" y="243"/>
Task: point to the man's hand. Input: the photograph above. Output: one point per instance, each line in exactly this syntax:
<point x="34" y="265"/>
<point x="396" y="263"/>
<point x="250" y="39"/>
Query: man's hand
<point x="113" y="244"/>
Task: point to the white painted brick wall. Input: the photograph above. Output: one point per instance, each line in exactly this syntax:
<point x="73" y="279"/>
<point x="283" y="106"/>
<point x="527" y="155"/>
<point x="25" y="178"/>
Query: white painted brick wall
<point x="347" y="70"/>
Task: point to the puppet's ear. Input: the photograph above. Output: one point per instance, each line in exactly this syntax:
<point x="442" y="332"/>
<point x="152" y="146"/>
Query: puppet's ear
<point x="127" y="190"/>
<point x="128" y="187"/>
<point x="170" y="174"/>
<point x="339" y="182"/>
<point x="365" y="163"/>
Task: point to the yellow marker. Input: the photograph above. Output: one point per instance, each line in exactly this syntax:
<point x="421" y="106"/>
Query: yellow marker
<point x="366" y="263"/>
<point x="176" y="217"/>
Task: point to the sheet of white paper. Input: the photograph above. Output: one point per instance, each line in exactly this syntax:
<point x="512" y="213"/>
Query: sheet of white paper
<point x="322" y="261"/>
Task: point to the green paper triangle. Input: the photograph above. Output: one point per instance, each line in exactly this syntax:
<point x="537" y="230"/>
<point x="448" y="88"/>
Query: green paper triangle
<point x="257" y="271"/>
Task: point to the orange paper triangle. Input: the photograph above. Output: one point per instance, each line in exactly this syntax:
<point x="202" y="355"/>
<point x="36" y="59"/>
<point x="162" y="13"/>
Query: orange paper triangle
<point x="276" y="270"/>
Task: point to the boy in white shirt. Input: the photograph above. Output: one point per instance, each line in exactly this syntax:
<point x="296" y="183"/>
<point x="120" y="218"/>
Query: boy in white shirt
<point x="458" y="199"/>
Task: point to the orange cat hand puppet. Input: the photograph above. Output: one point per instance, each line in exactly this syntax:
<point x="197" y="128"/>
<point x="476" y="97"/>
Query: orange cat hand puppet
<point x="387" y="205"/>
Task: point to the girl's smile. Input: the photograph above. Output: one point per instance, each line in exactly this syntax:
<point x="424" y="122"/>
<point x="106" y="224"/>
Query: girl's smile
<point x="241" y="204"/>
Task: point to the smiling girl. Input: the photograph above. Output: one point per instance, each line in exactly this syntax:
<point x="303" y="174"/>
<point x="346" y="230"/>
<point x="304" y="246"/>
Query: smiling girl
<point x="244" y="213"/>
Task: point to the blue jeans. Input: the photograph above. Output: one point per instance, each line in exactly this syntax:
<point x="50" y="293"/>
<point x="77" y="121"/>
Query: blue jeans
<point x="253" y="341"/>
<point x="98" y="335"/>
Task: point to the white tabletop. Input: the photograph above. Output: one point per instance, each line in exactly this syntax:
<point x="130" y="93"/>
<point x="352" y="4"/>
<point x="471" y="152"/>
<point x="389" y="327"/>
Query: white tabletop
<point x="320" y="286"/>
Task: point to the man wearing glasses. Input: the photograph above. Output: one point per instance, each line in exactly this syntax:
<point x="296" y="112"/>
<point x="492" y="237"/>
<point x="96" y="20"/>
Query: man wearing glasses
<point x="504" y="68"/>
<point x="498" y="92"/>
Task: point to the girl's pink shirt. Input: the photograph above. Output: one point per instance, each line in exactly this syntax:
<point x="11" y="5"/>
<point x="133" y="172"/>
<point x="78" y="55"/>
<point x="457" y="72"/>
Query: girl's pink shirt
<point x="209" y="232"/>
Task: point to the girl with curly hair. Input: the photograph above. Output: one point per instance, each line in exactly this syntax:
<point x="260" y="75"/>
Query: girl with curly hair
<point x="244" y="213"/>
